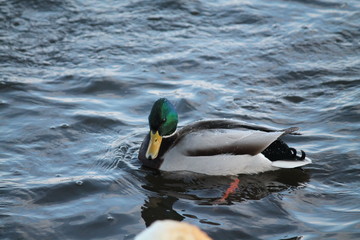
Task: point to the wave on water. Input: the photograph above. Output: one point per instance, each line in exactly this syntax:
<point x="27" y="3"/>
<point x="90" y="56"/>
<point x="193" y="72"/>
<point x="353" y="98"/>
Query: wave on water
<point x="78" y="79"/>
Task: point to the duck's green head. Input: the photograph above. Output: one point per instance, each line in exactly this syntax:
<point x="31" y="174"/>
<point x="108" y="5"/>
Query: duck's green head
<point x="163" y="121"/>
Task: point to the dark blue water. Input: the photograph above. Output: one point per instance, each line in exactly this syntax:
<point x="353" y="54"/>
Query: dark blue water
<point x="77" y="81"/>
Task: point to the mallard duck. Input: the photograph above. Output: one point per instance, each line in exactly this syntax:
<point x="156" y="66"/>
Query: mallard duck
<point x="172" y="230"/>
<point x="214" y="147"/>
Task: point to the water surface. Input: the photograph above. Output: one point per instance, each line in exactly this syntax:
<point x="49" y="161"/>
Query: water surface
<point x="78" y="79"/>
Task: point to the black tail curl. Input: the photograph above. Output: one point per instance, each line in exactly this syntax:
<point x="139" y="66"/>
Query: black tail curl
<point x="294" y="152"/>
<point x="279" y="150"/>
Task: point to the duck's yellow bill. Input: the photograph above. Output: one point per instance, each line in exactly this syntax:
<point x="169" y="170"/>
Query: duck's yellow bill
<point x="154" y="145"/>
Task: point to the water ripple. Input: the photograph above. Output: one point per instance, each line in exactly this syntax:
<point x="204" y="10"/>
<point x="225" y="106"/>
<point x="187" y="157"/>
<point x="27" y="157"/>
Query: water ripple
<point x="77" y="83"/>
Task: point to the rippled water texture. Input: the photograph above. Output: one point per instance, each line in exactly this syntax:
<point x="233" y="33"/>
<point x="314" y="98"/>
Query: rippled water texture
<point x="77" y="82"/>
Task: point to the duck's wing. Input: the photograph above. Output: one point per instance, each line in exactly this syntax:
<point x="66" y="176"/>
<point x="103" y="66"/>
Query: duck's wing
<point x="209" y="138"/>
<point x="231" y="124"/>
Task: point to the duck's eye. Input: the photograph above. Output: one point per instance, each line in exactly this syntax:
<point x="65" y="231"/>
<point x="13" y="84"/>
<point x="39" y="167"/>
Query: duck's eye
<point x="163" y="120"/>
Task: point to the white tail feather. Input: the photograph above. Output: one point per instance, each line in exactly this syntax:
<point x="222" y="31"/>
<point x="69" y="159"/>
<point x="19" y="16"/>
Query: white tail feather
<point x="291" y="164"/>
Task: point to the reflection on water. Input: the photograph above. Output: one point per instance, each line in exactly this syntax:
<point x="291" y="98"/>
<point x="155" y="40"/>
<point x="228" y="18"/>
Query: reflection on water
<point x="167" y="188"/>
<point x="159" y="208"/>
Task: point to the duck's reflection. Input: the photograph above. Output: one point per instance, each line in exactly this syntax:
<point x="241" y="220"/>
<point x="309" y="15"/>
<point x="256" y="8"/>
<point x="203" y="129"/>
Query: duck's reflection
<point x="166" y="188"/>
<point x="159" y="208"/>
